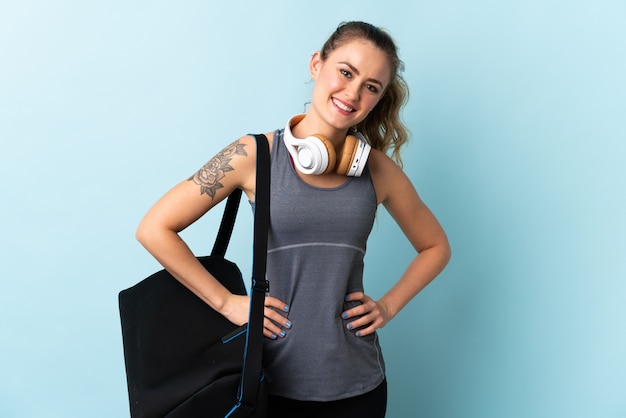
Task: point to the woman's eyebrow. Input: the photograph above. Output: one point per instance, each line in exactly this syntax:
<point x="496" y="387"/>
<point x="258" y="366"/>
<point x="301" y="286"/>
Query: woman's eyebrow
<point x="354" y="70"/>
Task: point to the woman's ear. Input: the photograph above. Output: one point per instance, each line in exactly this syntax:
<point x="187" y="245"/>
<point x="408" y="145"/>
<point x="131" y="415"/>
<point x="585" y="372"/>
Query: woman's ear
<point x="315" y="64"/>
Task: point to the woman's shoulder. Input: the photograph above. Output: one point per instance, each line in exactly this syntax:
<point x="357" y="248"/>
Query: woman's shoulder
<point x="381" y="164"/>
<point x="249" y="141"/>
<point x="385" y="173"/>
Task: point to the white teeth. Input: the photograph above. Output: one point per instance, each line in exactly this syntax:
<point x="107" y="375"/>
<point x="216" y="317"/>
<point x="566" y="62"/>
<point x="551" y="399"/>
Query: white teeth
<point x="342" y="106"/>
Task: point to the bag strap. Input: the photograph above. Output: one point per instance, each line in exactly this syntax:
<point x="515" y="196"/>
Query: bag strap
<point x="253" y="353"/>
<point x="227" y="224"/>
<point x="252" y="368"/>
<point x="251" y="374"/>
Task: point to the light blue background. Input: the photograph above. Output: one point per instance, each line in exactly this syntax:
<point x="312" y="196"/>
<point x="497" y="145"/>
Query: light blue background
<point x="518" y="113"/>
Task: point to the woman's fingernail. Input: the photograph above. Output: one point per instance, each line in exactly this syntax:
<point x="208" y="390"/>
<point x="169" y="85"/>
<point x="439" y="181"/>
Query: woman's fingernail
<point x="274" y="336"/>
<point x="288" y="324"/>
<point x="287" y="308"/>
<point x="282" y="333"/>
<point x="347" y="297"/>
<point x="344" y="315"/>
<point x="358" y="334"/>
<point x="350" y="326"/>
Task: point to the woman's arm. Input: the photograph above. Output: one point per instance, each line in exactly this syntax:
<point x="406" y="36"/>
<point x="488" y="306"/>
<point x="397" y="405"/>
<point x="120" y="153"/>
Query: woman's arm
<point x="395" y="191"/>
<point x="158" y="231"/>
<point x="233" y="167"/>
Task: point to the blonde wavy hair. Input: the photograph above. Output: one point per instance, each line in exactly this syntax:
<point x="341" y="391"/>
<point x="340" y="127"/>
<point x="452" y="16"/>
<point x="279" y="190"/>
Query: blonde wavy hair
<point x="383" y="127"/>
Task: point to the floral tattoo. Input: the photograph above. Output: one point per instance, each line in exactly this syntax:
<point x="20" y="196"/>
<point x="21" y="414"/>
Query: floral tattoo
<point x="209" y="176"/>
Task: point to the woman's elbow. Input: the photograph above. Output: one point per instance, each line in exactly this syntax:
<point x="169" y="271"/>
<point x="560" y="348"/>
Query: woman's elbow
<point x="144" y="233"/>
<point x="442" y="251"/>
<point x="445" y="250"/>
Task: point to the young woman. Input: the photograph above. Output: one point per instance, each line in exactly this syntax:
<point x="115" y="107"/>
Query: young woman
<point x="322" y="350"/>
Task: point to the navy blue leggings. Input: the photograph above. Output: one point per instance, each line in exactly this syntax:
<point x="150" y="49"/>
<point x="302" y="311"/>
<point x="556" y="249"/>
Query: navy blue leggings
<point x="371" y="405"/>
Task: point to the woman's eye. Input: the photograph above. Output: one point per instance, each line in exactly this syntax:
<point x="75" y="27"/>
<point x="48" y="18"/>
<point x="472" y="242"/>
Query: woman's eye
<point x="345" y="73"/>
<point x="372" y="88"/>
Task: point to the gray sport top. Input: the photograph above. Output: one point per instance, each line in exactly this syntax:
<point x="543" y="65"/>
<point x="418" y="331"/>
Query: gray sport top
<point x="316" y="245"/>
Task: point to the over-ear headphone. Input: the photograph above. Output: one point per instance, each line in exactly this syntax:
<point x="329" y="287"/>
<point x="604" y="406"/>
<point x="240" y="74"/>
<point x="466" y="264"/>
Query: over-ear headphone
<point x="316" y="154"/>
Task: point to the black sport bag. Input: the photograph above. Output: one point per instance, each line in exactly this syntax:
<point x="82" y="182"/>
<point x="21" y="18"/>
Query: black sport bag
<point x="185" y="360"/>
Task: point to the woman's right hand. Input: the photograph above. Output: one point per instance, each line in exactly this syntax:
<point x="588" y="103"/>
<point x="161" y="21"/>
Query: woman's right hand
<point x="276" y="323"/>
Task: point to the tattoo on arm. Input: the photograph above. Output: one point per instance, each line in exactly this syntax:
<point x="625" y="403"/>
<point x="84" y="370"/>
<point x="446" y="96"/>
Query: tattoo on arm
<point x="209" y="176"/>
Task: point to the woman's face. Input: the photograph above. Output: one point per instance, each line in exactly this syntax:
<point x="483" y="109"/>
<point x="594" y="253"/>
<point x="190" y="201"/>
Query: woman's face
<point x="349" y="83"/>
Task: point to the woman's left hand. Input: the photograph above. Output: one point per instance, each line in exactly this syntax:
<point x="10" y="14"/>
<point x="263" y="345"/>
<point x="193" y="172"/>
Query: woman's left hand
<point x="370" y="314"/>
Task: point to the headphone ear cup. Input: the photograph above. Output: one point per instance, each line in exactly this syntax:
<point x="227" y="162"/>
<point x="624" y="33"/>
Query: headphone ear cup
<point x="330" y="151"/>
<point x="348" y="152"/>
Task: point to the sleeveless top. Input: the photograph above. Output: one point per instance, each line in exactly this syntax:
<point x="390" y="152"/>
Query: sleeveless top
<point x="316" y="244"/>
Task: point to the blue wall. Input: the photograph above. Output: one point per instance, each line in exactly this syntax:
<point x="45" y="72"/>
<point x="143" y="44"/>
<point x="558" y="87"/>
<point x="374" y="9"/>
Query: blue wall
<point x="517" y="113"/>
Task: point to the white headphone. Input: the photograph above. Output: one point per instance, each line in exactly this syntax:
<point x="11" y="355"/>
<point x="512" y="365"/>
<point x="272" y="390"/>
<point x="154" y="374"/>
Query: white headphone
<point x="316" y="154"/>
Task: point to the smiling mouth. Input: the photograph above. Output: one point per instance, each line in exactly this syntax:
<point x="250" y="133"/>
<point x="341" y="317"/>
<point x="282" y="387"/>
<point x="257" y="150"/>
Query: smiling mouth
<point x="343" y="106"/>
